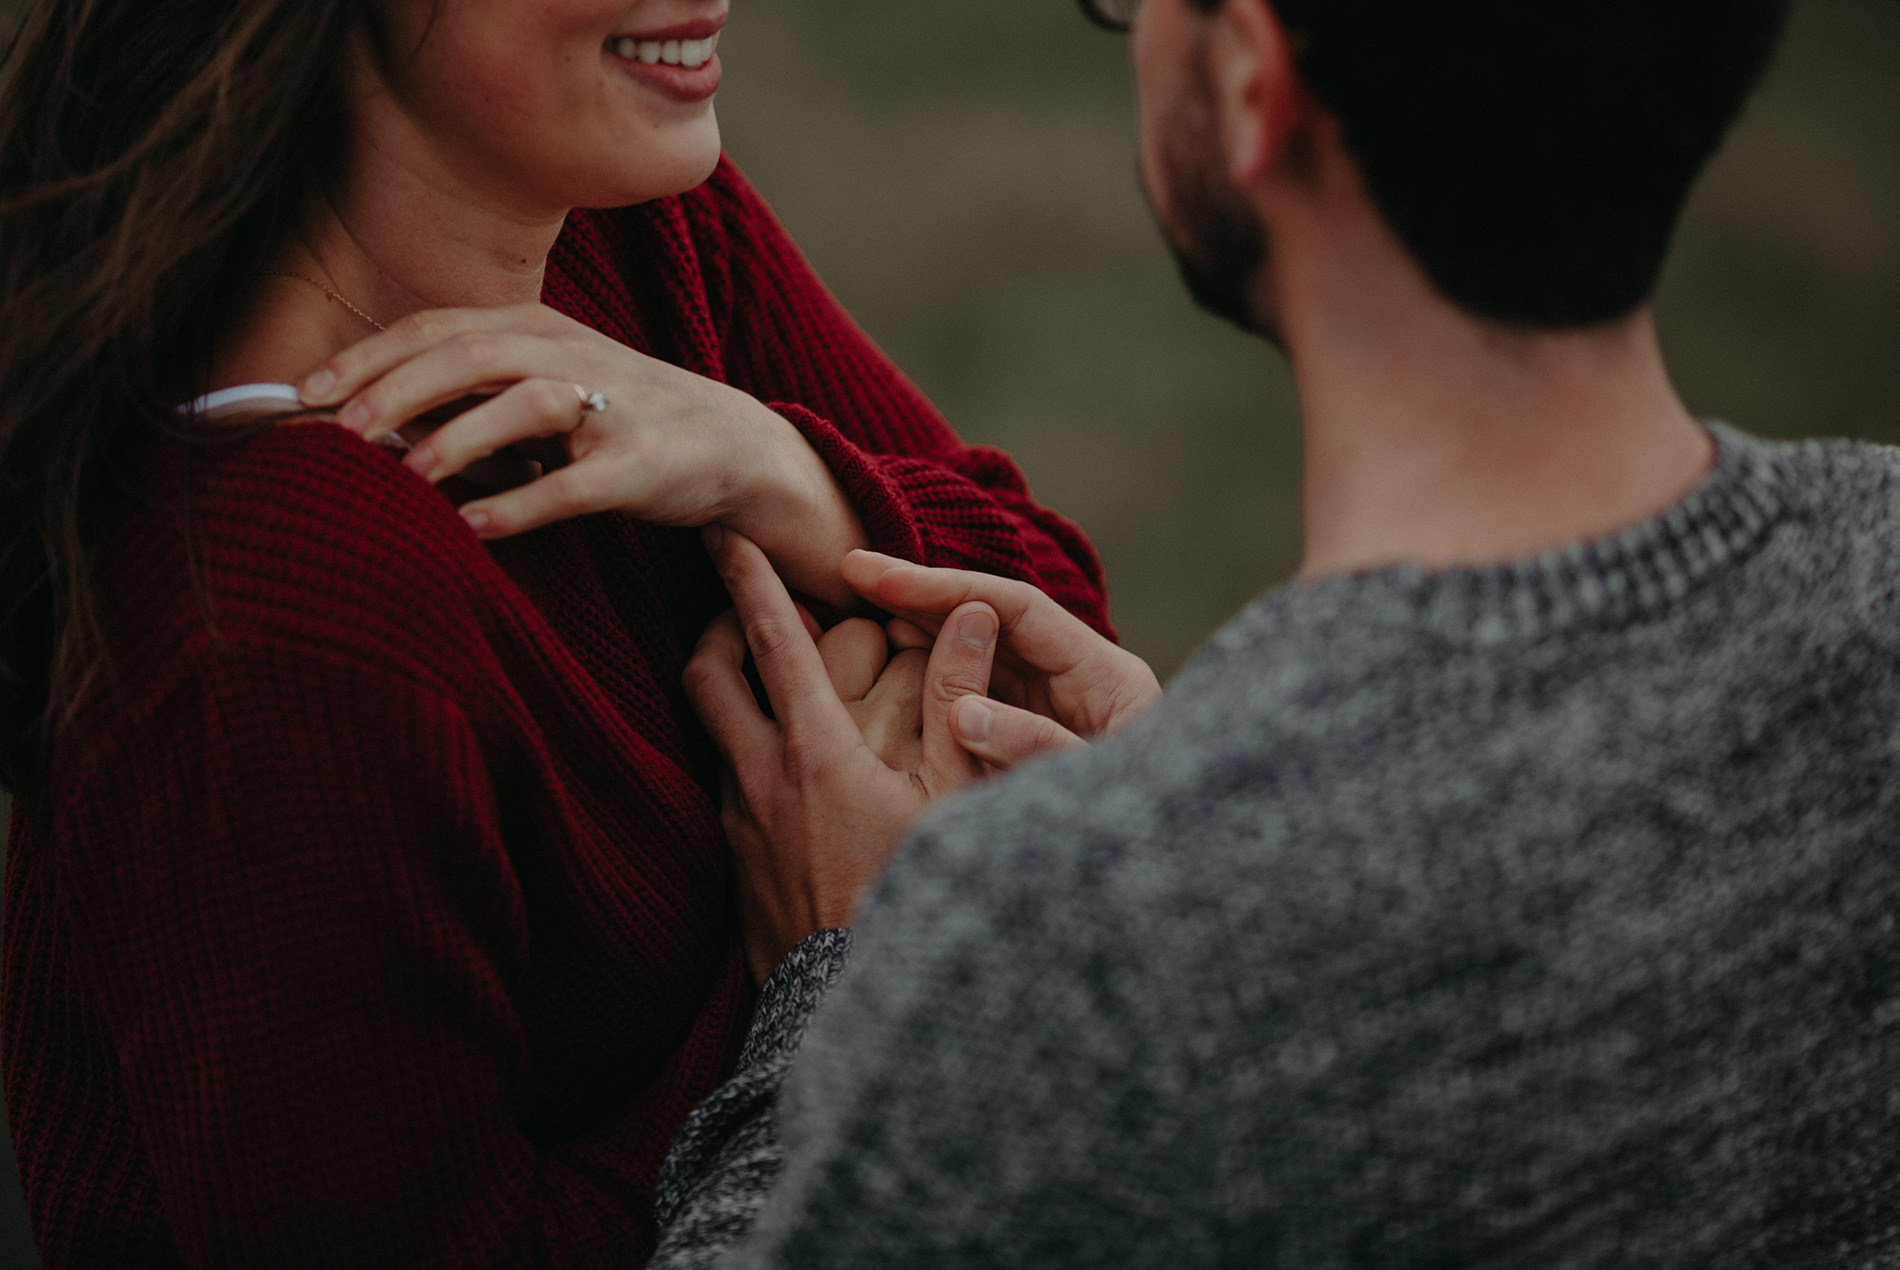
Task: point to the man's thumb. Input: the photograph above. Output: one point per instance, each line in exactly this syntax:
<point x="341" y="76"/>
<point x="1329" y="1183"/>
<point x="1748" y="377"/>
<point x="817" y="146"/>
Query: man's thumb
<point x="1006" y="737"/>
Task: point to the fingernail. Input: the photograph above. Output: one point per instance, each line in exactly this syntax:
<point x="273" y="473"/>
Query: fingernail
<point x="355" y="416"/>
<point x="714" y="537"/>
<point x="477" y="520"/>
<point x="317" y="386"/>
<point x="973" y="719"/>
<point x="977" y="630"/>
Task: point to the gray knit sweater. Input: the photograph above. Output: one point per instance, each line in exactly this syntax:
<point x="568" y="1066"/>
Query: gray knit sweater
<point x="1537" y="916"/>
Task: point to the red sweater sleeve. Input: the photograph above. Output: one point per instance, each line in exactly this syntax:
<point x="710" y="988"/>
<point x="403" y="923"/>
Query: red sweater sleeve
<point x="922" y="493"/>
<point x="309" y="994"/>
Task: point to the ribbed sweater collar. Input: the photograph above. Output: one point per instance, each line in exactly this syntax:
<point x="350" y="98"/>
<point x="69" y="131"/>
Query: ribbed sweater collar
<point x="1608" y="582"/>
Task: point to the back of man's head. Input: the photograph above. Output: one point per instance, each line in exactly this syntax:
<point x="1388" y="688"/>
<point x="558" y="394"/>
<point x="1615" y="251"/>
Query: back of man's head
<point x="1534" y="155"/>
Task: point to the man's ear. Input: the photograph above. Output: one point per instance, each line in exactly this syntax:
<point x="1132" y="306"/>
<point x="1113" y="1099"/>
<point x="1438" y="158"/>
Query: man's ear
<point x="1260" y="97"/>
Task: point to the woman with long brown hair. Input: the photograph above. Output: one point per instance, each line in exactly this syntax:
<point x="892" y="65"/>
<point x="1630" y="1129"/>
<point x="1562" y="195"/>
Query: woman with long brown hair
<point x="367" y="901"/>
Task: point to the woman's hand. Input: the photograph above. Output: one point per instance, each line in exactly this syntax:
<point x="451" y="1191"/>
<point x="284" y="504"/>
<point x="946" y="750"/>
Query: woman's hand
<point x="822" y="791"/>
<point x="1056" y="684"/>
<point x="671" y="447"/>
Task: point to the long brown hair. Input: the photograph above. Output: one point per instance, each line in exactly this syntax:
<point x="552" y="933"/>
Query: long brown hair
<point x="153" y="154"/>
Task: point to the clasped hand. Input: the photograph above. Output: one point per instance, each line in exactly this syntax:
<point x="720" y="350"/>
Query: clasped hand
<point x="820" y="791"/>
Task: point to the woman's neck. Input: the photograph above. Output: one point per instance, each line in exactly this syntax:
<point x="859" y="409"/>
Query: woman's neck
<point x="406" y="232"/>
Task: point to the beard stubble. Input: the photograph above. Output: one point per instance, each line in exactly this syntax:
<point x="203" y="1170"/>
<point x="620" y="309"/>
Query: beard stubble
<point x="1216" y="238"/>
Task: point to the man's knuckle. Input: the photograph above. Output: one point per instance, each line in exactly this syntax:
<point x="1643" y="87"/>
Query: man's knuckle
<point x="1030" y="734"/>
<point x="958" y="682"/>
<point x="807" y="759"/>
<point x="769" y="636"/>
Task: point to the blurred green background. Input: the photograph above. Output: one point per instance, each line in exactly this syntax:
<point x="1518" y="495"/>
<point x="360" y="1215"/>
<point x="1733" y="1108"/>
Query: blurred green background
<point x="962" y="174"/>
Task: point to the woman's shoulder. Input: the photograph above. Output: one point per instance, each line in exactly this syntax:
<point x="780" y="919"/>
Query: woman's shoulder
<point x="298" y="532"/>
<point x="313" y="487"/>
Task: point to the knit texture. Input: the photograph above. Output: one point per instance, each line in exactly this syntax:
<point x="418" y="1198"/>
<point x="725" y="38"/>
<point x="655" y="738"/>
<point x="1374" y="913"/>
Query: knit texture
<point x="1542" y="915"/>
<point x="726" y="1158"/>
<point x="379" y="914"/>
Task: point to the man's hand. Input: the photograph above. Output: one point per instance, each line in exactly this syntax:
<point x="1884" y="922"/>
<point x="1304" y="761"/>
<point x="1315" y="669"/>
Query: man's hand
<point x="1056" y="684"/>
<point x="819" y="794"/>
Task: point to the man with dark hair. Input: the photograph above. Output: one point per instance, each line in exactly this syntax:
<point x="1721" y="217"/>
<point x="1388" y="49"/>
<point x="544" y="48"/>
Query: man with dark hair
<point x="1533" y="158"/>
<point x="1519" y="888"/>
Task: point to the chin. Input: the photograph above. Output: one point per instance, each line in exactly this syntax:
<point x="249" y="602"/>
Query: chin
<point x="670" y="162"/>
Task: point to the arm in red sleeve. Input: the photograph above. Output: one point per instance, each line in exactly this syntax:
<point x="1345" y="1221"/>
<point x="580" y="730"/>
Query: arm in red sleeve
<point x="922" y="493"/>
<point x="303" y="930"/>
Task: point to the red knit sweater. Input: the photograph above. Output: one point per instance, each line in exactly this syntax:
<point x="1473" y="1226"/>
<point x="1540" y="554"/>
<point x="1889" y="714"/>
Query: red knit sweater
<point x="380" y="916"/>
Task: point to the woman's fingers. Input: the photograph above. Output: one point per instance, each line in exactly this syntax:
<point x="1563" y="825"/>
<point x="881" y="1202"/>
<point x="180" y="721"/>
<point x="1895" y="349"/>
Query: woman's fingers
<point x="891" y="714"/>
<point x="904" y="634"/>
<point x="532" y="409"/>
<point x="471" y="364"/>
<point x="855" y="654"/>
<point x="716" y="683"/>
<point x="1005" y="737"/>
<point x="574" y="490"/>
<point x="788" y="661"/>
<point x="812" y="628"/>
<point x="363" y="363"/>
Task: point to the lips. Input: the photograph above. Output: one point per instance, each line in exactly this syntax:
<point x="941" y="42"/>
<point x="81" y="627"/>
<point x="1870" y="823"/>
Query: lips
<point x="680" y="62"/>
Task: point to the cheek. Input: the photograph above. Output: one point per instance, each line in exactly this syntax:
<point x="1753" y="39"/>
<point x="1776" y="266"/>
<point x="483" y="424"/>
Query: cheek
<point x="485" y="80"/>
<point x="537" y="108"/>
<point x="514" y="57"/>
<point x="1167" y="50"/>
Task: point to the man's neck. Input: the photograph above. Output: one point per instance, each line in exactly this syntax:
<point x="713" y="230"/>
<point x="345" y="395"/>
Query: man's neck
<point x="1436" y="440"/>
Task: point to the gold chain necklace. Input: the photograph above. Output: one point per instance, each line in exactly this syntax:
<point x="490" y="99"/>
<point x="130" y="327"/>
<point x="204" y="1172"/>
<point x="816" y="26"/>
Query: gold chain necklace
<point x="279" y="273"/>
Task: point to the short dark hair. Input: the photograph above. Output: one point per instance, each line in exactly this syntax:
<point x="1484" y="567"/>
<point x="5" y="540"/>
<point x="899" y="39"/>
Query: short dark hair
<point x="1534" y="156"/>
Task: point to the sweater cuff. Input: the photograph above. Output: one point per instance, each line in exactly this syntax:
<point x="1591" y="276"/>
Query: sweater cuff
<point x="723" y="1163"/>
<point x="886" y="514"/>
<point x="791" y="994"/>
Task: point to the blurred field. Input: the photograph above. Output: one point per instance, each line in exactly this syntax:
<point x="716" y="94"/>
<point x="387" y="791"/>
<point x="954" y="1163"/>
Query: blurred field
<point x="962" y="175"/>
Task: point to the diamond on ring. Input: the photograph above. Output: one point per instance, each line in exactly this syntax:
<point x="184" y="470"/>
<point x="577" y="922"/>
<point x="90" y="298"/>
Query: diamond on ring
<point x="594" y="403"/>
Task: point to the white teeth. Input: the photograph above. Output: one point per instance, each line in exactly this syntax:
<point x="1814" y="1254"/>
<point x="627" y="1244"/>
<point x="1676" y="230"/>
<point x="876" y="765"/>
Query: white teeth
<point x="692" y="54"/>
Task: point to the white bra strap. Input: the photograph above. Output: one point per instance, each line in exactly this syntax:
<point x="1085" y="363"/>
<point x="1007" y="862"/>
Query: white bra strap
<point x="245" y="399"/>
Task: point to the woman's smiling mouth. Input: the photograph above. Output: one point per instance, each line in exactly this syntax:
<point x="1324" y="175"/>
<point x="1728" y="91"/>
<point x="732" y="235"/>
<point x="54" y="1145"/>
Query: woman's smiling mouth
<point x="692" y="54"/>
<point x="680" y="62"/>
